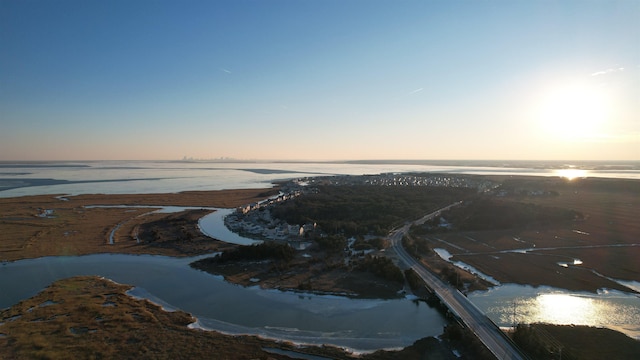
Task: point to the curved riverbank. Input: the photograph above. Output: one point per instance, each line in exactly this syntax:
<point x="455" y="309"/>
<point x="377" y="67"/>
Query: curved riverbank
<point x="306" y="318"/>
<point x="125" y="326"/>
<point x="86" y="224"/>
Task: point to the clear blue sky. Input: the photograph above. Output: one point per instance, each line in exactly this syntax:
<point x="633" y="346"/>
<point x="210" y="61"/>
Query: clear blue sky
<point x="319" y="80"/>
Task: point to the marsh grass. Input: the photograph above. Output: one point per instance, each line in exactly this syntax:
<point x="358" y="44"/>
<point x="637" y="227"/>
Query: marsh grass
<point x="69" y="320"/>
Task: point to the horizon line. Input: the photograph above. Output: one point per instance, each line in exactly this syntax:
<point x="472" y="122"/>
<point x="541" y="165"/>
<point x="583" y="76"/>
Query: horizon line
<point x="328" y="161"/>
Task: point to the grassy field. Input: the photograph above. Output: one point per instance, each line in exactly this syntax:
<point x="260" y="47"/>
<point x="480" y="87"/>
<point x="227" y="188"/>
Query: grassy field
<point x="567" y="254"/>
<point x="46" y="225"/>
<point x="570" y="342"/>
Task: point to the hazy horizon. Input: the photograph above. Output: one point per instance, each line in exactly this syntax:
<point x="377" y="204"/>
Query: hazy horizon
<point x="284" y="80"/>
<point x="454" y="162"/>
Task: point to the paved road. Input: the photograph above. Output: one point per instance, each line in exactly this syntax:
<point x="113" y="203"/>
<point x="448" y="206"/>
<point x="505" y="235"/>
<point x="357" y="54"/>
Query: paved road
<point x="490" y="335"/>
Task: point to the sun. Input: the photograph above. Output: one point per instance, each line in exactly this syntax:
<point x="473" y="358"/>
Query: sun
<point x="575" y="111"/>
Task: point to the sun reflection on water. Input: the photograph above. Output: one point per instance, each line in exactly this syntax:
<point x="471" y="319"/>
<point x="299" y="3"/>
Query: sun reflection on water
<point x="571" y="309"/>
<point x="510" y="304"/>
<point x="571" y="174"/>
<point x="567" y="309"/>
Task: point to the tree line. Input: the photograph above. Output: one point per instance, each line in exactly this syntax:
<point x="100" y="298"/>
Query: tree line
<point x="382" y="267"/>
<point x="263" y="251"/>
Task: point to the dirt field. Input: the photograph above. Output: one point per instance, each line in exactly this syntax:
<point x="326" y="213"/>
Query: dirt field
<point x="48" y="225"/>
<point x="577" y="255"/>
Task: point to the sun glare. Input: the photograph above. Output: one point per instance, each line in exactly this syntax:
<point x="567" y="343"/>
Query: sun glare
<point x="574" y="111"/>
<point x="566" y="309"/>
<point x="571" y="174"/>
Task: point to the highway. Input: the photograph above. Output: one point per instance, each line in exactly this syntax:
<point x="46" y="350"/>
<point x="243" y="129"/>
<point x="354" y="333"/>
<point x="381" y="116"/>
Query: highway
<point x="490" y="335"/>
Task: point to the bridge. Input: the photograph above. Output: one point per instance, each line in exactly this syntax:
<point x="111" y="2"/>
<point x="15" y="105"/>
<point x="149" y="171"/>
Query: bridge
<point x="465" y="311"/>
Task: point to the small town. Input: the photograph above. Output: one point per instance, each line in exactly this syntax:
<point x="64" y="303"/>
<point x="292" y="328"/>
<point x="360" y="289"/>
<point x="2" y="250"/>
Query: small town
<point x="255" y="220"/>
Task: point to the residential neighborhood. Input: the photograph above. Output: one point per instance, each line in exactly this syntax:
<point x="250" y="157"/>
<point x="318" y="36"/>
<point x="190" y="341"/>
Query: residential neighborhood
<point x="254" y="220"/>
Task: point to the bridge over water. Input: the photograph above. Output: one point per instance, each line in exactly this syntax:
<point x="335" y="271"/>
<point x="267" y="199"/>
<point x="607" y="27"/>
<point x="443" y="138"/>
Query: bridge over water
<point x="464" y="310"/>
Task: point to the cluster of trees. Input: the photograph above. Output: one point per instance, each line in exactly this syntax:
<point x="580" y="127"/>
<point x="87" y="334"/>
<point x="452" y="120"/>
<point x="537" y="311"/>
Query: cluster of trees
<point x="372" y="244"/>
<point x="174" y="228"/>
<point x="430" y="226"/>
<point x="414" y="280"/>
<point x="382" y="267"/>
<point x="365" y="209"/>
<point x="463" y="338"/>
<point x="332" y="244"/>
<point x="538" y="343"/>
<point x="267" y="250"/>
<point x="450" y="274"/>
<point x="416" y="246"/>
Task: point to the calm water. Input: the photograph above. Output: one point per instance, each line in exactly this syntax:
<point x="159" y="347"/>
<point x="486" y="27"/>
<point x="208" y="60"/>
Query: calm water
<point x="358" y="324"/>
<point x="213" y="225"/>
<point x="112" y="177"/>
<point x="509" y="303"/>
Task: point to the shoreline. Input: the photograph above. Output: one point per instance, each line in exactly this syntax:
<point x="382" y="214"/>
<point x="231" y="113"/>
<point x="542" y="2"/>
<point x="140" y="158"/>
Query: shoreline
<point x="48" y="325"/>
<point x="158" y="324"/>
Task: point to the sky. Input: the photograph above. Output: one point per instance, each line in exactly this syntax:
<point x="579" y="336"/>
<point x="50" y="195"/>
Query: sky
<point x="319" y="80"/>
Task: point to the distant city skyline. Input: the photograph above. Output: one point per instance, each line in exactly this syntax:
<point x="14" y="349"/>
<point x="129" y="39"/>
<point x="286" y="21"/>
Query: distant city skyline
<point x="319" y="80"/>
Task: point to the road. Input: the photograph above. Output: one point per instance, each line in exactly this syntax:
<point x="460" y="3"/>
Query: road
<point x="490" y="335"/>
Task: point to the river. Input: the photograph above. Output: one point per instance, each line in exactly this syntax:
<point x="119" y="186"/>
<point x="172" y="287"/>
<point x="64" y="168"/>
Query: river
<point x="352" y="323"/>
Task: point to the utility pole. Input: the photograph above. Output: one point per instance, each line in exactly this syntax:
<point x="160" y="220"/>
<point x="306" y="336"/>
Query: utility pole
<point x="457" y="278"/>
<point x="514" y="315"/>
